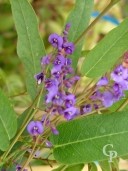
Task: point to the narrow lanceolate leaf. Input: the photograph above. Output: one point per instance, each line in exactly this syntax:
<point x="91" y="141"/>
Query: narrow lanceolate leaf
<point x="30" y="47"/>
<point x="91" y="138"/>
<point x="8" y="122"/>
<point x="105" y="54"/>
<point x="79" y="19"/>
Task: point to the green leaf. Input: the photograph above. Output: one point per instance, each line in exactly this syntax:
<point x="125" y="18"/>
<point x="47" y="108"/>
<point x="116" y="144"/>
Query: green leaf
<point x="79" y="19"/>
<point x="106" y="53"/>
<point x="8" y="122"/>
<point x="83" y="140"/>
<point x="30" y="47"/>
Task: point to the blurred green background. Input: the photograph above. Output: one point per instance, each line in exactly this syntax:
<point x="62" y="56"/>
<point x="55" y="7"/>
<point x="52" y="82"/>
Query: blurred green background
<point x="51" y="17"/>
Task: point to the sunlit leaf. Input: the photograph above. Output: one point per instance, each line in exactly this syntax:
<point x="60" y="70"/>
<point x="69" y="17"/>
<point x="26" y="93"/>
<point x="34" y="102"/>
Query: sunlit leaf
<point x="30" y="47"/>
<point x="106" y="53"/>
<point x="83" y="140"/>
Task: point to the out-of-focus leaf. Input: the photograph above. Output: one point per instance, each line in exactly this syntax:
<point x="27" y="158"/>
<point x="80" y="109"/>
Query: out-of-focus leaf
<point x="30" y="47"/>
<point x="79" y="19"/>
<point x="77" y="167"/>
<point x="91" y="133"/>
<point x="8" y="122"/>
<point x="6" y="22"/>
<point x="59" y="168"/>
<point x="105" y="54"/>
<point x="92" y="167"/>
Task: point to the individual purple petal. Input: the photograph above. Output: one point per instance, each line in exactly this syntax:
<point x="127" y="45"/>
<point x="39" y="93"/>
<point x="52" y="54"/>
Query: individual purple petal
<point x="55" y="40"/>
<point x="96" y="95"/>
<point x="50" y="95"/>
<point x="18" y="168"/>
<point x="58" y="99"/>
<point x="54" y="130"/>
<point x="68" y="61"/>
<point x="87" y="108"/>
<point x="67" y="26"/>
<point x="70" y="100"/>
<point x="59" y="61"/>
<point x="96" y="106"/>
<point x="70" y="113"/>
<point x="118" y="91"/>
<point x="51" y="84"/>
<point x="69" y="47"/>
<point x="45" y="60"/>
<point x="102" y="82"/>
<point x="39" y="77"/>
<point x="119" y="74"/>
<point x="56" y="72"/>
<point x="107" y="99"/>
<point x="35" y="128"/>
<point x="48" y="144"/>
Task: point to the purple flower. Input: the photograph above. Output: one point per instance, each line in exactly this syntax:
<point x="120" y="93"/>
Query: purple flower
<point x="117" y="91"/>
<point x="35" y="128"/>
<point x="56" y="72"/>
<point x="119" y="74"/>
<point x="70" y="113"/>
<point x="87" y="109"/>
<point x="70" y="100"/>
<point x="45" y="60"/>
<point x="51" y="84"/>
<point x="107" y="99"/>
<point x="58" y="99"/>
<point x="50" y="95"/>
<point x="39" y="77"/>
<point x="59" y="61"/>
<point x="96" y="95"/>
<point x="68" y="61"/>
<point x="69" y="47"/>
<point x="55" y="40"/>
<point x="102" y="82"/>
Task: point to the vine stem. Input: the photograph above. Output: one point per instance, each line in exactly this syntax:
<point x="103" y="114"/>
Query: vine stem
<point x="95" y="21"/>
<point x="31" y="154"/>
<point x="31" y="114"/>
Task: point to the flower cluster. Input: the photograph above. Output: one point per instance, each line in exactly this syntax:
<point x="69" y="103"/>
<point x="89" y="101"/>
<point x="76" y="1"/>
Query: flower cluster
<point x="59" y="100"/>
<point x="109" y="90"/>
<point x="57" y="82"/>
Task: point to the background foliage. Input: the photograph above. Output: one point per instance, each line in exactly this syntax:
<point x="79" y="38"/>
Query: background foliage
<point x="51" y="18"/>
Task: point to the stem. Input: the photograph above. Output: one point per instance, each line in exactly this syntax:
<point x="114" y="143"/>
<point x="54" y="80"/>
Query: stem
<point x="94" y="22"/>
<point x="122" y="105"/>
<point x="31" y="154"/>
<point x="75" y="88"/>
